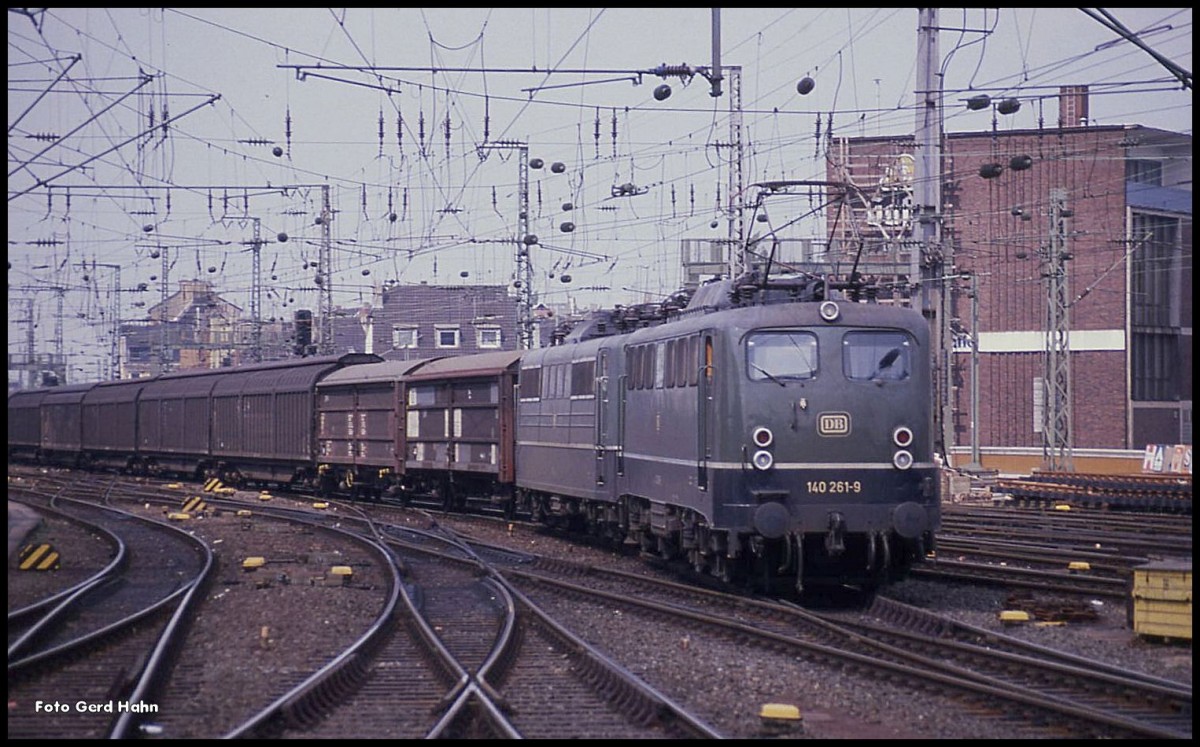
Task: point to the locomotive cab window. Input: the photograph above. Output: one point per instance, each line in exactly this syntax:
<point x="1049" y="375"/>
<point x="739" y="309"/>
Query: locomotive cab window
<point x="778" y="355"/>
<point x="877" y="356"/>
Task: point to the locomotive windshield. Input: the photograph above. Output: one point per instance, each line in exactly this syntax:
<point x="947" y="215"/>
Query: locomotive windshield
<point x="781" y="355"/>
<point x="872" y="356"/>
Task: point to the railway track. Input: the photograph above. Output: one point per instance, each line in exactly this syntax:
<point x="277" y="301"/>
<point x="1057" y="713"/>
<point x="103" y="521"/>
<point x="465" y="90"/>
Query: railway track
<point x="921" y="661"/>
<point x="1037" y="555"/>
<point x="102" y="641"/>
<point x="506" y="637"/>
<point x="464" y="663"/>
<point x="291" y="632"/>
<point x="1064" y="582"/>
<point x="403" y="685"/>
<point x="1144" y="702"/>
<point x="124" y="666"/>
<point x="1072" y="531"/>
<point x="542" y="678"/>
<point x="91" y="549"/>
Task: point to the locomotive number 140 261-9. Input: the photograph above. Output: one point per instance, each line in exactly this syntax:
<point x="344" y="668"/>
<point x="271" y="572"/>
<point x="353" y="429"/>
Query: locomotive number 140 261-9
<point x="834" y="486"/>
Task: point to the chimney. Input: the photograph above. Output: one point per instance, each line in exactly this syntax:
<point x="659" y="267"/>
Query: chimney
<point x="1072" y="106"/>
<point x="190" y="289"/>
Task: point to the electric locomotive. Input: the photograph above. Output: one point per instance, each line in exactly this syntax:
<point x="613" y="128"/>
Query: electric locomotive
<point x="765" y="431"/>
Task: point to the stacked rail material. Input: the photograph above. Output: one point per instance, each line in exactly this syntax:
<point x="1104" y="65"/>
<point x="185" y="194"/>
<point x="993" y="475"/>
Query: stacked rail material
<point x="1170" y="494"/>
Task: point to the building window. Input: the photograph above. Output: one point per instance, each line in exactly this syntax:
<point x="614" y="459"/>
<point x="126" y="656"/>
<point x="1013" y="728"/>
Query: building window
<point x="1156" y="308"/>
<point x="404" y="337"/>
<point x="488" y="337"/>
<point x="1156" y="271"/>
<point x="1156" y="367"/>
<point x="1143" y="171"/>
<point x="447" y="337"/>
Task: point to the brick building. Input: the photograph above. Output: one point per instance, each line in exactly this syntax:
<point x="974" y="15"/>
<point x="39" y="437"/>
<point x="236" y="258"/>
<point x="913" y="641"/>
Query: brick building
<point x="425" y="321"/>
<point x="192" y="328"/>
<point x="197" y="328"/>
<point x="1127" y="259"/>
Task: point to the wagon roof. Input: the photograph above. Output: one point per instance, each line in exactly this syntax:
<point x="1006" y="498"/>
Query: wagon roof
<point x="172" y="385"/>
<point x="372" y="373"/>
<point x="124" y="390"/>
<point x="300" y="376"/>
<point x="462" y="366"/>
<point x="201" y="382"/>
<point x="26" y="397"/>
<point x="343" y="360"/>
<point x="67" y="394"/>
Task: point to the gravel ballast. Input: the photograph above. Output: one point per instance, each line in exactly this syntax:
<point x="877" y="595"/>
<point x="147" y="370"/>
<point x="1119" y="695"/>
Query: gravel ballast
<point x="738" y="680"/>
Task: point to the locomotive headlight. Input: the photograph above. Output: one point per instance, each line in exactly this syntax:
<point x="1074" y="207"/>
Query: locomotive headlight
<point x="763" y="460"/>
<point x="763" y="437"/>
<point x="830" y="311"/>
<point x="902" y="436"/>
<point x="902" y="459"/>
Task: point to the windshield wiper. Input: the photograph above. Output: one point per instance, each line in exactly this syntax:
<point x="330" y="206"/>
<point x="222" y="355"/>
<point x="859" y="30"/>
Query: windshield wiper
<point x="803" y="353"/>
<point x="886" y="361"/>
<point x="767" y="373"/>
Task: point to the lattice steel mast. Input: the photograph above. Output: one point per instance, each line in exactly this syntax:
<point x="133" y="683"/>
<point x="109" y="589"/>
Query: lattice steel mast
<point x="1056" y="428"/>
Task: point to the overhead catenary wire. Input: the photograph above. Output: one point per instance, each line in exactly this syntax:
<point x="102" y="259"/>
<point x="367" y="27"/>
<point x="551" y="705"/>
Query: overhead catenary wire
<point x="766" y="148"/>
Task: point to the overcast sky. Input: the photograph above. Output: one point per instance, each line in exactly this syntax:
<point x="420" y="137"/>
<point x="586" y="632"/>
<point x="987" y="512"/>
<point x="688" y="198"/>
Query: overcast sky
<point x="455" y="204"/>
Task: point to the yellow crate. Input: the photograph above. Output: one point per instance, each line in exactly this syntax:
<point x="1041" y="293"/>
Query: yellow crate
<point x="1163" y="580"/>
<point x="1165" y="619"/>
<point x="1162" y="599"/>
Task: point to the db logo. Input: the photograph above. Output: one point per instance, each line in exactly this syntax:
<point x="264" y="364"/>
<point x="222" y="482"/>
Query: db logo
<point x="833" y="424"/>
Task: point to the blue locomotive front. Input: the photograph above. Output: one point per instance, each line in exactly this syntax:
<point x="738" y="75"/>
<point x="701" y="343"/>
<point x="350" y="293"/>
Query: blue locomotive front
<point x="825" y="439"/>
<point x="782" y="439"/>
